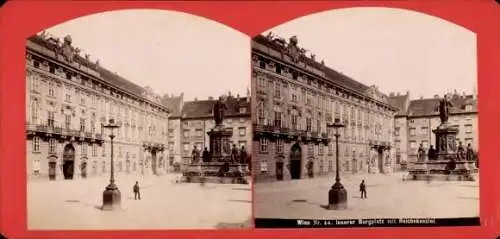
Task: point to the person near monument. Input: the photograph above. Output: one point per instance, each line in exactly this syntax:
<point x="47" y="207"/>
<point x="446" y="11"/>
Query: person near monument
<point x="195" y="154"/>
<point x="137" y="192"/>
<point x="362" y="189"/>
<point x="432" y="153"/>
<point x="421" y="153"/>
<point x="469" y="153"/>
<point x="460" y="151"/>
<point x="234" y="154"/>
<point x="206" y="155"/>
<point x="243" y="155"/>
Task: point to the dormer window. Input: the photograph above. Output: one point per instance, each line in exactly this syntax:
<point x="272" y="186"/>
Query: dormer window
<point x="468" y="107"/>
<point x="243" y="110"/>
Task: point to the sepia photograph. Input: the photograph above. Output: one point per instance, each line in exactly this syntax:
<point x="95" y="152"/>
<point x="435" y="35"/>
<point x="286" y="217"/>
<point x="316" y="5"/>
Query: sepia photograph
<point x="138" y="119"/>
<point x="365" y="117"/>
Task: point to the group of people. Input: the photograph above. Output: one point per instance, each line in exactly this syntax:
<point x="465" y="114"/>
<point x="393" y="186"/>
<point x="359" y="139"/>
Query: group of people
<point x="462" y="153"/>
<point x="237" y="155"/>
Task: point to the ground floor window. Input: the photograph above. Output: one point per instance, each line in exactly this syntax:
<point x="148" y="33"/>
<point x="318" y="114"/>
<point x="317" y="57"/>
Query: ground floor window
<point x="36" y="167"/>
<point x="330" y="165"/>
<point x="263" y="167"/>
<point x="36" y="144"/>
<point x="263" y="145"/>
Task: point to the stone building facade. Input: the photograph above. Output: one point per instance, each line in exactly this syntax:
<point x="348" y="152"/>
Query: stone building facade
<point x="192" y="120"/>
<point x="421" y="117"/>
<point x="295" y="97"/>
<point x="69" y="98"/>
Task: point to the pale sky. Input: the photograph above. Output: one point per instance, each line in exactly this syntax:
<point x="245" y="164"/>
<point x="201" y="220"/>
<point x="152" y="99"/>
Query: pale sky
<point x="398" y="50"/>
<point x="172" y="52"/>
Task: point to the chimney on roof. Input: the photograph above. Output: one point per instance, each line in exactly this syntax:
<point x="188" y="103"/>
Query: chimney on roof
<point x="463" y="94"/>
<point x="210" y="98"/>
<point x="195" y="99"/>
<point x="391" y="94"/>
<point x="313" y="57"/>
<point x="421" y="97"/>
<point x="322" y="62"/>
<point x="229" y="94"/>
<point x="436" y="96"/>
<point x="398" y="94"/>
<point x="238" y="96"/>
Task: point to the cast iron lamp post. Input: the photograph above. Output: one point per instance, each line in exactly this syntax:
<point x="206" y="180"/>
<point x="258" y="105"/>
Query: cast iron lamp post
<point x="111" y="197"/>
<point x="337" y="196"/>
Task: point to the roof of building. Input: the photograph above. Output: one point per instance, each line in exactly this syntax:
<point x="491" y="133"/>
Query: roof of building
<point x="106" y="75"/>
<point x="400" y="102"/>
<point x="427" y="107"/>
<point x="333" y="75"/>
<point x="203" y="108"/>
<point x="174" y="104"/>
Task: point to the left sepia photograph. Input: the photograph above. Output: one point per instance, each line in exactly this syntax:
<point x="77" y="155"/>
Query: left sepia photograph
<point x="138" y="119"/>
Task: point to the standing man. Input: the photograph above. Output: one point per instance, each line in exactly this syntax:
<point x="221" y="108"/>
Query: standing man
<point x="362" y="189"/>
<point x="137" y="192"/>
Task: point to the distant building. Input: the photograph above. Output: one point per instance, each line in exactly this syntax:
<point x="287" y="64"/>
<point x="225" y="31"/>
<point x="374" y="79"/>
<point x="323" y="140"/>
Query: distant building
<point x="414" y="124"/>
<point x="69" y="99"/>
<point x="192" y="120"/>
<point x="295" y="97"/>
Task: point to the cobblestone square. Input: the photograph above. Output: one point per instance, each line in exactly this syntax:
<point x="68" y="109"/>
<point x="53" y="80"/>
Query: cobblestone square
<point x="165" y="204"/>
<point x="388" y="197"/>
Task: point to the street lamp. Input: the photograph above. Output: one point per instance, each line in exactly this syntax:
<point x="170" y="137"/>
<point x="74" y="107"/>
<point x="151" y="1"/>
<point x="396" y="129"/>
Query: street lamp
<point x="111" y="197"/>
<point x="337" y="196"/>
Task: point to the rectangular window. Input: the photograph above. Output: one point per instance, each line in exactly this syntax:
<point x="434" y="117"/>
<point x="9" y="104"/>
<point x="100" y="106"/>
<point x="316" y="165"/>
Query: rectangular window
<point x="52" y="145"/>
<point x="82" y="125"/>
<point x="277" y="90"/>
<point x="84" y="149"/>
<point x="94" y="150"/>
<point x="263" y="145"/>
<point x="243" y="110"/>
<point x="413" y="144"/>
<point x="279" y="146"/>
<point x="321" y="149"/>
<point x="308" y="124"/>
<point x="396" y="131"/>
<point x="263" y="166"/>
<point x="68" y="98"/>
<point x="468" y="129"/>
<point x="51" y="88"/>
<point x="425" y="144"/>
<point x="186" y="133"/>
<point x="186" y="147"/>
<point x="34" y="111"/>
<point x="277" y="119"/>
<point x="413" y="132"/>
<point x="242" y="131"/>
<point x="199" y="132"/>
<point x="67" y="121"/>
<point x="36" y="144"/>
<point x="50" y="118"/>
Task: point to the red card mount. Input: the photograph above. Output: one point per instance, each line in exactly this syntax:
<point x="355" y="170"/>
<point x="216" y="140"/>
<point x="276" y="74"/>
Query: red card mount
<point x="22" y="19"/>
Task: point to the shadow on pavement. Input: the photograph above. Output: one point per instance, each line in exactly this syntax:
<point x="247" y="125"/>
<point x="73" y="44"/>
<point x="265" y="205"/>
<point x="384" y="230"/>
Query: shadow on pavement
<point x="84" y="203"/>
<point x="238" y="200"/>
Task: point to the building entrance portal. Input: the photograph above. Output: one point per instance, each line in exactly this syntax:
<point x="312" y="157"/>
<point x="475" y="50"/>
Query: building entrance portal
<point x="295" y="161"/>
<point x="380" y="160"/>
<point x="68" y="161"/>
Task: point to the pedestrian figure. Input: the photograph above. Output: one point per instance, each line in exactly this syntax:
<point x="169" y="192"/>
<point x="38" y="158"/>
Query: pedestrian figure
<point x="362" y="189"/>
<point x="137" y="192"/>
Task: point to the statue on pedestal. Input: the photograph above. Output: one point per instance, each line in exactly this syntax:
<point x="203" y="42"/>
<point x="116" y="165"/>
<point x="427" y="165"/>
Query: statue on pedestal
<point x="219" y="108"/>
<point x="444" y="109"/>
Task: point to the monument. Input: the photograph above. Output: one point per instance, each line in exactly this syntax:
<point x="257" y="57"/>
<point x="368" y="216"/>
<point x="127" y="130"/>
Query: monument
<point x="220" y="164"/>
<point x="445" y="161"/>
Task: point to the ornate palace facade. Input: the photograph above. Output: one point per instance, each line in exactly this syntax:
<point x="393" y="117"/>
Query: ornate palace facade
<point x="295" y="98"/>
<point x="417" y="118"/>
<point x="191" y="120"/>
<point x="69" y="99"/>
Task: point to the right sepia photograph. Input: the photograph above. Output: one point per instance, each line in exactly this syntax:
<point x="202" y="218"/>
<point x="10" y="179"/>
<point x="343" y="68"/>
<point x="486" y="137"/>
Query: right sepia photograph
<point x="365" y="117"/>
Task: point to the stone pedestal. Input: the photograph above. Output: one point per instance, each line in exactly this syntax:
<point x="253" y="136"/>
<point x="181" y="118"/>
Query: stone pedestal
<point x="220" y="143"/>
<point x="221" y="168"/>
<point x="446" y="165"/>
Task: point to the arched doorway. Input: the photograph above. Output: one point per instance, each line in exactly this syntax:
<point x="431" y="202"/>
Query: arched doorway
<point x="354" y="165"/>
<point x="68" y="161"/>
<point x="154" y="163"/>
<point x="280" y="168"/>
<point x="380" y="159"/>
<point x="295" y="161"/>
<point x="83" y="168"/>
<point x="52" y="167"/>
